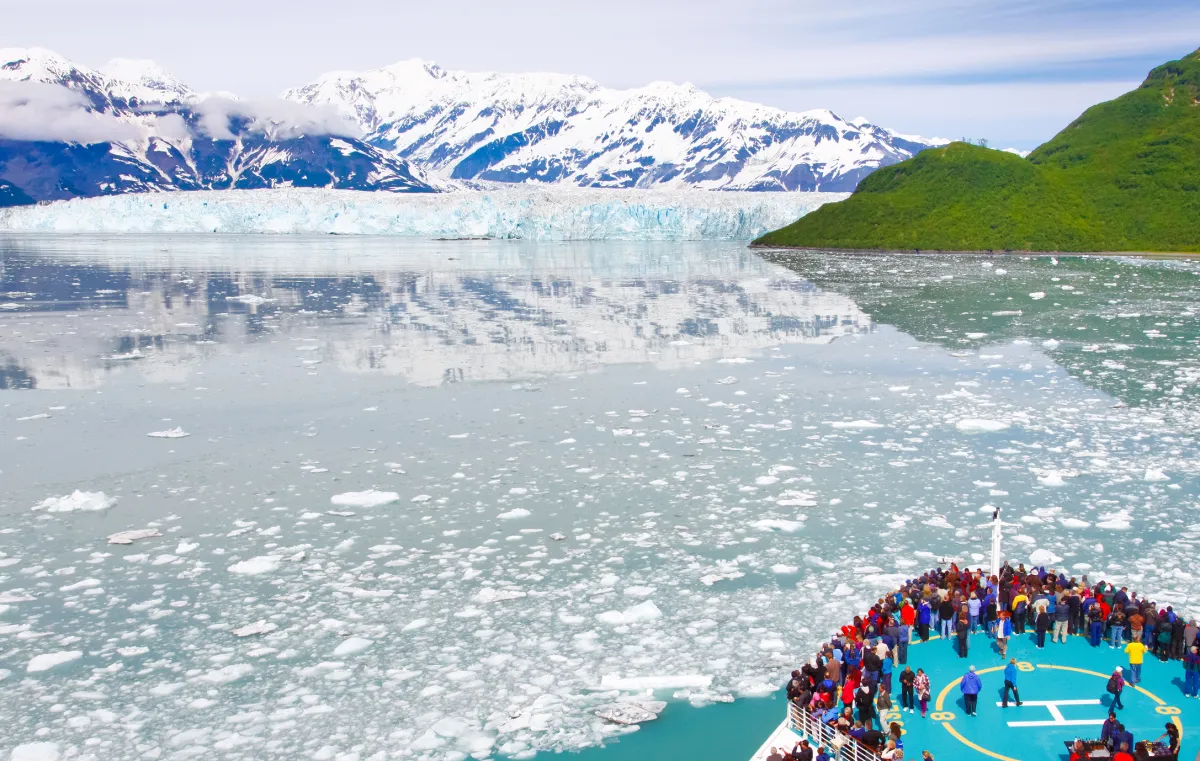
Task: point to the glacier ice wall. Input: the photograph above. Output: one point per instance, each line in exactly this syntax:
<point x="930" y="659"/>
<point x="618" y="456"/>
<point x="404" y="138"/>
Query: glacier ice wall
<point x="510" y="213"/>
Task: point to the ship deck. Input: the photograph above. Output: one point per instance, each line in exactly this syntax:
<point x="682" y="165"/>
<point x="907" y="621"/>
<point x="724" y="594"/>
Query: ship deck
<point x="1062" y="690"/>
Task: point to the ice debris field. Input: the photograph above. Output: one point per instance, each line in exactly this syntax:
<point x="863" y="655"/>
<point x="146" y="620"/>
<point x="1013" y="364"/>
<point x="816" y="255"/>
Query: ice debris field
<point x="525" y="213"/>
<point x="339" y="565"/>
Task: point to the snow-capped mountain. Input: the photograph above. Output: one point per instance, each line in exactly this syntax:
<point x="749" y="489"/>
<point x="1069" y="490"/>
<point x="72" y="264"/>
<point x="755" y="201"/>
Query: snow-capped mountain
<point x="552" y="128"/>
<point x="67" y="131"/>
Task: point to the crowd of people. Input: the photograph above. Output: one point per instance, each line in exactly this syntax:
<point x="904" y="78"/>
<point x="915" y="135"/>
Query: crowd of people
<point x="848" y="686"/>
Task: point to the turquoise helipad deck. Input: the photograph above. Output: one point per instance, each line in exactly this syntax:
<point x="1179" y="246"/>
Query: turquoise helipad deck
<point x="1063" y="690"/>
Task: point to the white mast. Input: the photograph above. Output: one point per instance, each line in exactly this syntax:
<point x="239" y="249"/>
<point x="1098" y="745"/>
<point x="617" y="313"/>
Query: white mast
<point x="997" y="536"/>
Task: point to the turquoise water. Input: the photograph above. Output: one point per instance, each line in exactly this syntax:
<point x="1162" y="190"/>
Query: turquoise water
<point x="466" y="494"/>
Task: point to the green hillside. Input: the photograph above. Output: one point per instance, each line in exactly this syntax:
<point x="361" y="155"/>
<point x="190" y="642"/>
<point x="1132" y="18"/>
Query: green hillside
<point x="1124" y="176"/>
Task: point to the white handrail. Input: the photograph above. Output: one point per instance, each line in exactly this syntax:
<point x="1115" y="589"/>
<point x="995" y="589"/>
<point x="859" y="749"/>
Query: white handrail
<point x="818" y="733"/>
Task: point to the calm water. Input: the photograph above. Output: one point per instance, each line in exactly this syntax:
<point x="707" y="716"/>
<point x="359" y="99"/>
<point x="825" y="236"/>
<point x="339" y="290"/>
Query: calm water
<point x="476" y="491"/>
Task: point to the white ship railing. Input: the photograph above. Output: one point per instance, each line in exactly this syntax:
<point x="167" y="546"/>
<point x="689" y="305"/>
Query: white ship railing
<point x="839" y="746"/>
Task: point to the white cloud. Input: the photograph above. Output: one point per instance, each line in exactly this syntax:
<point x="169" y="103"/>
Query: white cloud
<point x="37" y="111"/>
<point x="275" y="118"/>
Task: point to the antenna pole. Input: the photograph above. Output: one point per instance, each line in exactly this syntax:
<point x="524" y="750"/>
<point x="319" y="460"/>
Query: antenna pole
<point x="996" y="537"/>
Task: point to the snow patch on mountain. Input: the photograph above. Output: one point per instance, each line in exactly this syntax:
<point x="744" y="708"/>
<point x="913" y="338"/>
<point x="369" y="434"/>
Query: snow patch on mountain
<point x="554" y="128"/>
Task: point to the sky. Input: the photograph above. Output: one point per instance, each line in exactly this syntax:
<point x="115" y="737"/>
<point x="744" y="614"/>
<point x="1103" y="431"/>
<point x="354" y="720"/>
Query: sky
<point x="1011" y="71"/>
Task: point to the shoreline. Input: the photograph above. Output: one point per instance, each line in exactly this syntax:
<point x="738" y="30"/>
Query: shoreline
<point x="758" y="248"/>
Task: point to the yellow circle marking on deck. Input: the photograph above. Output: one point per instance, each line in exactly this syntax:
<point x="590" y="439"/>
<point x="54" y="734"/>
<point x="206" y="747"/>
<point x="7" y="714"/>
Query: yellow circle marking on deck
<point x="973" y="746"/>
<point x="1161" y="708"/>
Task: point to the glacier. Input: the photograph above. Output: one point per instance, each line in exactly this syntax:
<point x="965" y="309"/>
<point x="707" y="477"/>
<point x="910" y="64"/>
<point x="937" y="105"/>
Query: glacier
<point x="513" y="212"/>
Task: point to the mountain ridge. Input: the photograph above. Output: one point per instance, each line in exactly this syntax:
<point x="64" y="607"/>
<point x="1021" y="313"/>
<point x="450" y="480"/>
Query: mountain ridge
<point x="69" y="131"/>
<point x="569" y="129"/>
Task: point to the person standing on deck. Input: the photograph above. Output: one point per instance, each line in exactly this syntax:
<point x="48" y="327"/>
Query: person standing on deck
<point x="901" y="648"/>
<point x="1137" y="653"/>
<point x="924" y="617"/>
<point x="1116" y="623"/>
<point x="1116" y="683"/>
<point x="1189" y="635"/>
<point x="971" y="685"/>
<point x="963" y="630"/>
<point x="1062" y="617"/>
<point x="946" y="616"/>
<point x="923" y="689"/>
<point x="1010" y="682"/>
<point x="865" y="702"/>
<point x="1019" y="604"/>
<point x="974" y="605"/>
<point x="1191" y="673"/>
<point x="1096" y="624"/>
<point x="1109" y="729"/>
<point x="1041" y="623"/>
<point x="908" y="679"/>
<point x="1136" y="621"/>
<point x="1003" y="632"/>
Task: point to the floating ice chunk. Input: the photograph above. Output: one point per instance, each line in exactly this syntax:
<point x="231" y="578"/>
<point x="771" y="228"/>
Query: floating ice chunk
<point x="249" y="298"/>
<point x="843" y="590"/>
<point x="131" y="536"/>
<point x="1155" y="474"/>
<point x="35" y="752"/>
<point x="351" y="646"/>
<point x="1053" y="478"/>
<point x="645" y="611"/>
<point x="258" y="627"/>
<point x="1118" y="521"/>
<point x="1036" y="295"/>
<point x="854" y="424"/>
<point x="459" y="435"/>
<point x="1074" y="523"/>
<point x="981" y="425"/>
<point x="766" y="480"/>
<point x="683" y="391"/>
<point x="734" y="361"/>
<point x="784" y="570"/>
<point x="514" y="514"/>
<point x="1050" y="343"/>
<point x="728" y="380"/>
<point x="77" y="501"/>
<point x="778" y="524"/>
<point x="657" y="682"/>
<point x="39" y="416"/>
<point x="47" y="661"/>
<point x="518" y="490"/>
<point x="1043" y="556"/>
<point x="938" y="521"/>
<point x="419" y="623"/>
<point x="976" y="336"/>
<point x="625" y="713"/>
<point x="170" y="433"/>
<point x="637" y="591"/>
<point x="132" y="652"/>
<point x="368" y="498"/>
<point x="558" y="537"/>
<point x="256" y="565"/>
<point x="491" y="594"/>
<point x="225" y="674"/>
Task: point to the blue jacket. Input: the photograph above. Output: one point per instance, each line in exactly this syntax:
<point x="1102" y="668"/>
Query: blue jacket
<point x="924" y="613"/>
<point x="971" y="684"/>
<point x="1010" y="673"/>
<point x="1005" y="628"/>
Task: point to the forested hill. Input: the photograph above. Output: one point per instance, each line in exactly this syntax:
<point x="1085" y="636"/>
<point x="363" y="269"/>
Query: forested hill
<point x="1124" y="176"/>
